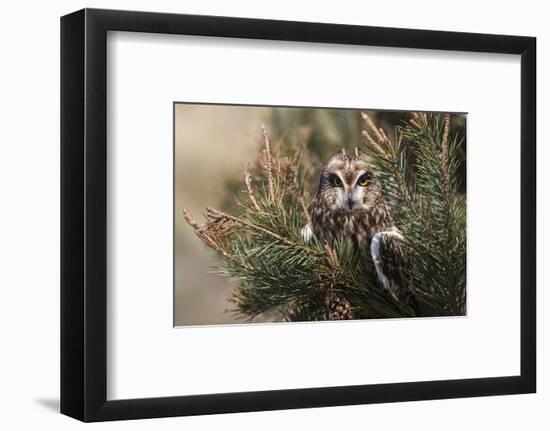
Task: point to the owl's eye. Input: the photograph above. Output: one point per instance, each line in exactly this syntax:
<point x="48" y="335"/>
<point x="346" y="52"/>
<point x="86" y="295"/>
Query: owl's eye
<point x="363" y="180"/>
<point x="336" y="181"/>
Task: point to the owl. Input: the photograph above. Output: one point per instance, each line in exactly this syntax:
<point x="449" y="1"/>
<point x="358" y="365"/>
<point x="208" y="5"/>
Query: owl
<point x="349" y="206"/>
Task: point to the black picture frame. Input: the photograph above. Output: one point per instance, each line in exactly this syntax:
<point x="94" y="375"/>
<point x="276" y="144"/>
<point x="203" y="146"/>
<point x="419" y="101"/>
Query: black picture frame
<point x="84" y="214"/>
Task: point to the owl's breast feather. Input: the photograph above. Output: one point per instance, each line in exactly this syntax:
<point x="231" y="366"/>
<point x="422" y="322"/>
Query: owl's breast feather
<point x="358" y="226"/>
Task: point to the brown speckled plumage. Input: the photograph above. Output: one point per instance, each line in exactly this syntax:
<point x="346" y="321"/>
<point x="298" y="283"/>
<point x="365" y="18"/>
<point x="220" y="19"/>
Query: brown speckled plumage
<point x="331" y="220"/>
<point x="349" y="206"/>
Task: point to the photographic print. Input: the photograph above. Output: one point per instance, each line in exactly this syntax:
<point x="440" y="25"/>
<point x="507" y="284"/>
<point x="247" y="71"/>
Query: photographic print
<point x="294" y="214"/>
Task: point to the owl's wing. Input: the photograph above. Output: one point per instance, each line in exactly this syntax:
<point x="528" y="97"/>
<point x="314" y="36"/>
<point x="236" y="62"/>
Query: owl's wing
<point x="389" y="261"/>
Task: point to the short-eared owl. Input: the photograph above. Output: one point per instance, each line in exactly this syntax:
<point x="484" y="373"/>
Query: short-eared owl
<point x="349" y="206"/>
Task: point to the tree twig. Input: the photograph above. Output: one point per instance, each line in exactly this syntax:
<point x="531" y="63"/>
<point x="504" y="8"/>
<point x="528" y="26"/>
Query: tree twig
<point x="248" y="182"/>
<point x="268" y="165"/>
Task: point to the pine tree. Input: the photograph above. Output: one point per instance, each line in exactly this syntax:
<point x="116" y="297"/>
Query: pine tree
<point x="260" y="242"/>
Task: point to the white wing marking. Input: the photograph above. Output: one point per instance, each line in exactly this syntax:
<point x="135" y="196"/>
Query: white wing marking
<point x="376" y="258"/>
<point x="307" y="233"/>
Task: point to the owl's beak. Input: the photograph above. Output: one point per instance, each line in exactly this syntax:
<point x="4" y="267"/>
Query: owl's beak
<point x="350" y="202"/>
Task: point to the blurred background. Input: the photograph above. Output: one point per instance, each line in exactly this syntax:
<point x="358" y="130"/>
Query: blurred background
<point x="213" y="143"/>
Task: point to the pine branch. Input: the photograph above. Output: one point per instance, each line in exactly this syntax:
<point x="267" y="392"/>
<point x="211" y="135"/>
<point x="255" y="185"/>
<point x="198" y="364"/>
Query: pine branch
<point x="427" y="210"/>
<point x="261" y="245"/>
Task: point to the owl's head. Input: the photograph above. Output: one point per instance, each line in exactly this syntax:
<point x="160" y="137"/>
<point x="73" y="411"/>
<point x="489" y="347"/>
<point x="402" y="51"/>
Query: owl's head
<point x="346" y="183"/>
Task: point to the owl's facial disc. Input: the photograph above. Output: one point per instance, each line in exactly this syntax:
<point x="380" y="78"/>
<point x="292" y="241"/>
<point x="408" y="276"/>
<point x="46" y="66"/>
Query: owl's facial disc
<point x="349" y="192"/>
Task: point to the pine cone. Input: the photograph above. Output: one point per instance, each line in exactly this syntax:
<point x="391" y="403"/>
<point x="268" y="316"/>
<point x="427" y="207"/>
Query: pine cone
<point x="337" y="307"/>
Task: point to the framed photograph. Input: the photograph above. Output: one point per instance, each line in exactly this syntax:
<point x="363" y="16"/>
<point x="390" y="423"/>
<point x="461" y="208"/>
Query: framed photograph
<point x="262" y="215"/>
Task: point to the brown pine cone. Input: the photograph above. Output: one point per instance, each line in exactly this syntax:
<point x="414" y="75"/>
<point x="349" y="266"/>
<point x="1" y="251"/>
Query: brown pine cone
<point x="338" y="307"/>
